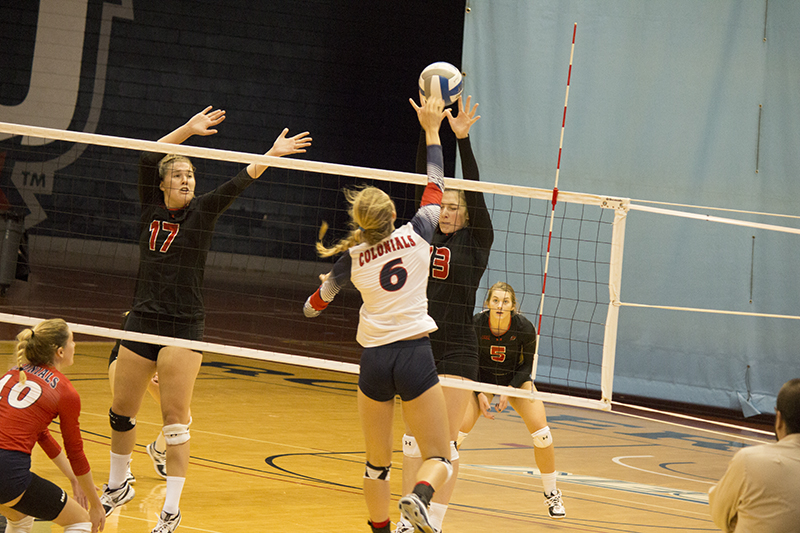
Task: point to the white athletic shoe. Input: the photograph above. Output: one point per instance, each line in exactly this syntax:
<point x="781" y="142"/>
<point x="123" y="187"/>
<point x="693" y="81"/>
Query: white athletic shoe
<point x="129" y="477"/>
<point x="167" y="523"/>
<point x="111" y="499"/>
<point x="416" y="513"/>
<point x="159" y="459"/>
<point x="555" y="506"/>
<point x="404" y="527"/>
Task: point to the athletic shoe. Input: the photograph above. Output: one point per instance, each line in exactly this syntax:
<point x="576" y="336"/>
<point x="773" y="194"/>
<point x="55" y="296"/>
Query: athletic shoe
<point x="555" y="507"/>
<point x="167" y="523"/>
<point x="159" y="459"/>
<point x="129" y="478"/>
<point x="416" y="513"/>
<point x="403" y="527"/>
<point x="111" y="499"/>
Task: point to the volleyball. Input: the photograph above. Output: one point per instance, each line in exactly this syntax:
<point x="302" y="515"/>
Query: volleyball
<point x="443" y="80"/>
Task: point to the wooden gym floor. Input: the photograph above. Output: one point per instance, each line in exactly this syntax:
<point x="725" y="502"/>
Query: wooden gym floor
<point x="278" y="448"/>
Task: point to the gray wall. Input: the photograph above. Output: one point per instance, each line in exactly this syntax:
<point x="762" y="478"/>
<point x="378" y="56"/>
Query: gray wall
<point x="663" y="106"/>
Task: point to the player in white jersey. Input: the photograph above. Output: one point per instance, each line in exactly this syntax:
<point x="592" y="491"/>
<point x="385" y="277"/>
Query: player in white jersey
<point x="390" y="268"/>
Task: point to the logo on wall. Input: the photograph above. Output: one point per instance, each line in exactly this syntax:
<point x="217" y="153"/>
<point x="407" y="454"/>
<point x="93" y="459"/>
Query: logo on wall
<point x="53" y="93"/>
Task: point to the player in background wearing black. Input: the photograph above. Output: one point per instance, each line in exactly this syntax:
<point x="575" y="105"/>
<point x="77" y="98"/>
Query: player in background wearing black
<point x="460" y="253"/>
<point x="176" y="232"/>
<point x="507" y="343"/>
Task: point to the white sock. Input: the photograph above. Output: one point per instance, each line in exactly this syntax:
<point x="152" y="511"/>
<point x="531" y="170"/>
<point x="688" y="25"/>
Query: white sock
<point x="549" y="483"/>
<point x="119" y="470"/>
<point x="436" y="514"/>
<point x="174" y="490"/>
<point x="23" y="525"/>
<point x="80" y="527"/>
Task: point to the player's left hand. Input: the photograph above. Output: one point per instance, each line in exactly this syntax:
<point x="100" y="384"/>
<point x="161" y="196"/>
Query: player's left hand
<point x="466" y="117"/>
<point x="290" y="145"/>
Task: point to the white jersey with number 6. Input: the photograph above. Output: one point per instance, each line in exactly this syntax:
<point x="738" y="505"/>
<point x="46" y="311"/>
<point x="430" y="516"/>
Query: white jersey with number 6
<point x="392" y="277"/>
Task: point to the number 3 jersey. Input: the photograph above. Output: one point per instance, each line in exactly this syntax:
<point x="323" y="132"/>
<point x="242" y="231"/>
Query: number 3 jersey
<point x="391" y="275"/>
<point x="27" y="410"/>
<point x="174" y="244"/>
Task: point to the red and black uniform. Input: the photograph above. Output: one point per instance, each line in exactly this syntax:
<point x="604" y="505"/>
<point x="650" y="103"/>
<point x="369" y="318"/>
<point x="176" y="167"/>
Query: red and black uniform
<point x="26" y="411"/>
<point x="173" y="246"/>
<point x="506" y="359"/>
<point x="458" y="261"/>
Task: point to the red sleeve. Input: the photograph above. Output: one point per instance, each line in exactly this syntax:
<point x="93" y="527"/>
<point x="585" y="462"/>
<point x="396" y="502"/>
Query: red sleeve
<point x="69" y="411"/>
<point x="49" y="444"/>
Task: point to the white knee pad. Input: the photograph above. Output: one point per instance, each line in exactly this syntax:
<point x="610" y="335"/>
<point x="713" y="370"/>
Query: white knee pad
<point x="446" y="464"/>
<point x="461" y="438"/>
<point x="453" y="450"/>
<point x="80" y="527"/>
<point x="383" y="473"/>
<point x="542" y="438"/>
<point x="410" y="446"/>
<point x="175" y="434"/>
<point x="23" y="525"/>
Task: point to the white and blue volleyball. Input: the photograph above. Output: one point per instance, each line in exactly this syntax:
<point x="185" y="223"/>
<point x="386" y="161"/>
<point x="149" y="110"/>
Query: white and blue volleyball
<point x="443" y="80"/>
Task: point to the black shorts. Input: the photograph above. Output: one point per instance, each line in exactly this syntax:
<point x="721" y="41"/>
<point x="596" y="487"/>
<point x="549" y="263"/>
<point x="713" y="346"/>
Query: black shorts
<point x="160" y="325"/>
<point x="403" y="367"/>
<point x="456" y="359"/>
<point x="15" y="474"/>
<point x="115" y="350"/>
<point x="503" y="380"/>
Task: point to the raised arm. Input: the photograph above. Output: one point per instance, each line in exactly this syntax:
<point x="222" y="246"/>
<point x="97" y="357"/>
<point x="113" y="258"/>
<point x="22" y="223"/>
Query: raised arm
<point x="479" y="217"/>
<point x="201" y="124"/>
<point x="282" y="146"/>
<point x="430" y="116"/>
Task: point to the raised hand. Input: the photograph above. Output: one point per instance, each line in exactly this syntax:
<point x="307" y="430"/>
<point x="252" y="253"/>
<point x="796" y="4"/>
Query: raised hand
<point x="466" y="117"/>
<point x="203" y="123"/>
<point x="284" y="145"/>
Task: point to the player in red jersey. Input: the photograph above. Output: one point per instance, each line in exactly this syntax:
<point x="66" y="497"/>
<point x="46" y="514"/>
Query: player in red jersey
<point x="31" y="397"/>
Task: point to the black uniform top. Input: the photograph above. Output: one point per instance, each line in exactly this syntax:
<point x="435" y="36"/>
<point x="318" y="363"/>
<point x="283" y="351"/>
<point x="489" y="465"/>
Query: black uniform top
<point x="458" y="261"/>
<point x="173" y="244"/>
<point x="507" y="359"/>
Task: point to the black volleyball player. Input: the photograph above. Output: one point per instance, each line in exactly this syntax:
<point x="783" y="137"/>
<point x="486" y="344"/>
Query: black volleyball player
<point x="460" y="253"/>
<point x="507" y="342"/>
<point x="176" y="231"/>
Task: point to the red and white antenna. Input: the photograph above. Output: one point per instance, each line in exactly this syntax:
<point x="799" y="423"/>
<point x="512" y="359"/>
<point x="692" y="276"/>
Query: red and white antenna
<point x="554" y="200"/>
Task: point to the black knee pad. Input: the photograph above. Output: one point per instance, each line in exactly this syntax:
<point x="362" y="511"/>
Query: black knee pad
<point x="120" y="423"/>
<point x="42" y="499"/>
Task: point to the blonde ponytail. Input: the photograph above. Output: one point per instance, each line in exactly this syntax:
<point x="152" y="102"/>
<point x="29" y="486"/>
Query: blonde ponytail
<point x="372" y="215"/>
<point x="23" y="340"/>
<point x="38" y="345"/>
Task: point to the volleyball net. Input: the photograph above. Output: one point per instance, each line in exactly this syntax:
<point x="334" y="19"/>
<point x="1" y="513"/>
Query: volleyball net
<point x="78" y="194"/>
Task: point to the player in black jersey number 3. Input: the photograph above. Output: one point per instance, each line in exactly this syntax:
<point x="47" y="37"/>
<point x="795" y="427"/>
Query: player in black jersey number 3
<point x="176" y="233"/>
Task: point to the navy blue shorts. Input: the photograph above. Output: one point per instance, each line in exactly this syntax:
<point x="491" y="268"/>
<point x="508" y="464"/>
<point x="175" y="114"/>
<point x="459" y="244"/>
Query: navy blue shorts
<point x="15" y="474"/>
<point x="160" y="325"/>
<point x="403" y="367"/>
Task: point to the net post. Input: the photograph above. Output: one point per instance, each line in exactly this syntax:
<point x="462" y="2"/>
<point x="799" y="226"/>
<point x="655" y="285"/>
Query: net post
<point x="614" y="286"/>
